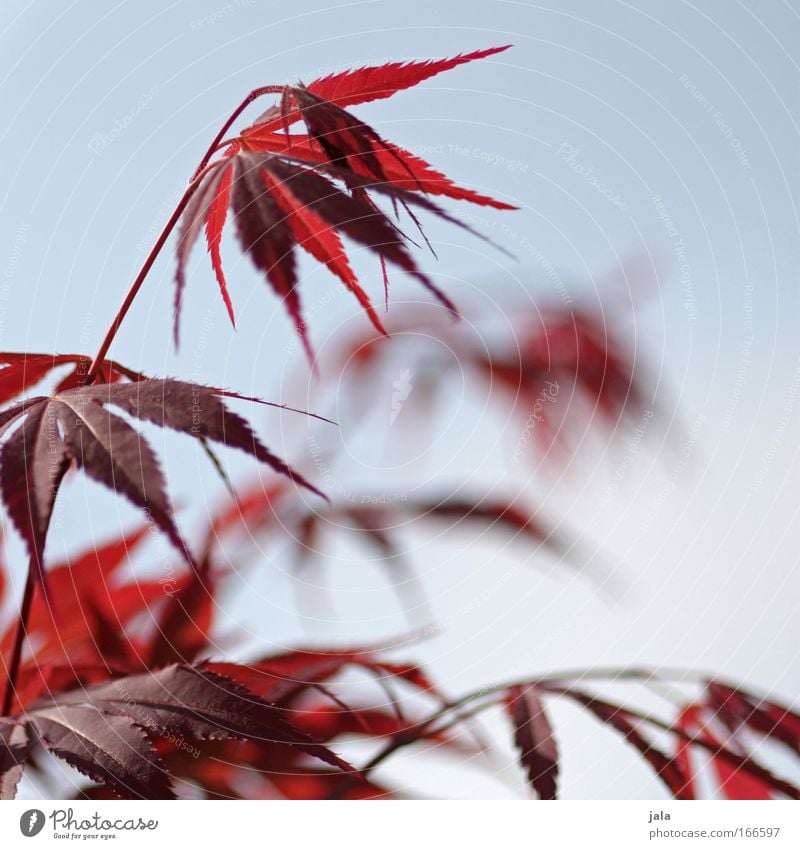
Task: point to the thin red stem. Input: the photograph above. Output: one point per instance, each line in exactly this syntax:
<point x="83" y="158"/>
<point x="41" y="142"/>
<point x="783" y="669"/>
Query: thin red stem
<point x="168" y="228"/>
<point x="19" y="639"/>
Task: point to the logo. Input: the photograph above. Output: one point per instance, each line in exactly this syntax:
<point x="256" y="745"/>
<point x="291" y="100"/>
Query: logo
<point x="31" y="822"/>
<point x="401" y="390"/>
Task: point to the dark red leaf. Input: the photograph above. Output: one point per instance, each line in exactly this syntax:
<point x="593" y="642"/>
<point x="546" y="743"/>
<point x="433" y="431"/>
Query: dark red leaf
<point x="74" y="425"/>
<point x="739" y="708"/>
<point x="669" y="769"/>
<point x="198" y="704"/>
<point x="110" y="749"/>
<point x="535" y="740"/>
<point x="397" y="166"/>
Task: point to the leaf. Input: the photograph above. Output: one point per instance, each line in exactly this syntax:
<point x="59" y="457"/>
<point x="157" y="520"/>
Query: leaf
<point x="356" y="216"/>
<point x="248" y="176"/>
<point x="15" y="746"/>
<point x="374" y="83"/>
<point x="110" y="749"/>
<point x="283" y="677"/>
<point x="534" y="737"/>
<point x="265" y="235"/>
<point x="108" y="730"/>
<point x="33" y="462"/>
<point x="278" y="204"/>
<point x="322" y="242"/>
<point x="60" y="626"/>
<point x="196" y="703"/>
<point x="669" y="769"/>
<point x="739" y="708"/>
<point x="182" y="633"/>
<point x="398" y="166"/>
<point x="343" y="138"/>
<point x="75" y="426"/>
<point x="733" y="780"/>
<point x="21" y="371"/>
<point x="203" y="209"/>
<point x="366" y="84"/>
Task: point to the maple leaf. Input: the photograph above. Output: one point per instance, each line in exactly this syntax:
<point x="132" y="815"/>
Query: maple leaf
<point x="105" y="731"/>
<point x="534" y="737"/>
<point x="75" y="426"/>
<point x="362" y="85"/>
<point x="739" y="709"/>
<point x="276" y="209"/>
<point x="278" y="204"/>
<point x="398" y="166"/>
<point x="21" y="371"/>
<point x="669" y="769"/>
<point x="717" y="722"/>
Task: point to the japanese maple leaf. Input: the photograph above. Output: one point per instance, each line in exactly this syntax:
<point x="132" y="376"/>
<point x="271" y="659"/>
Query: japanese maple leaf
<point x="20" y="372"/>
<point x="535" y="740"/>
<point x="76" y="426"/>
<point x="105" y="731"/>
<point x="278" y="205"/>
<point x="362" y="85"/>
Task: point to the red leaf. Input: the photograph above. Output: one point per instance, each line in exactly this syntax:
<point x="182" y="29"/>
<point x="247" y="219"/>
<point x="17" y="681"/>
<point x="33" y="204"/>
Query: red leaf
<point x="215" y="223"/>
<point x="363" y="85"/>
<point x="195" y="703"/>
<point x="733" y="781"/>
<point x="82" y="580"/>
<point x="669" y="769"/>
<point x="397" y="166"/>
<point x="322" y="242"/>
<point x="203" y="208"/>
<point x="33" y="460"/>
<point x="183" y="628"/>
<point x="534" y="737"/>
<point x="265" y="235"/>
<point x="738" y="708"/>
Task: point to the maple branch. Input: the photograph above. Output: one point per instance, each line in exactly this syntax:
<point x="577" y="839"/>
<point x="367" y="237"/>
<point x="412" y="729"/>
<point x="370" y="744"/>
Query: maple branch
<point x="168" y="228"/>
<point x="19" y="639"/>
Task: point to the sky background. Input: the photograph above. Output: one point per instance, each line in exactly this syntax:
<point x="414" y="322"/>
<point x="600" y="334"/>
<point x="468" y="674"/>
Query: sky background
<point x="686" y="114"/>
